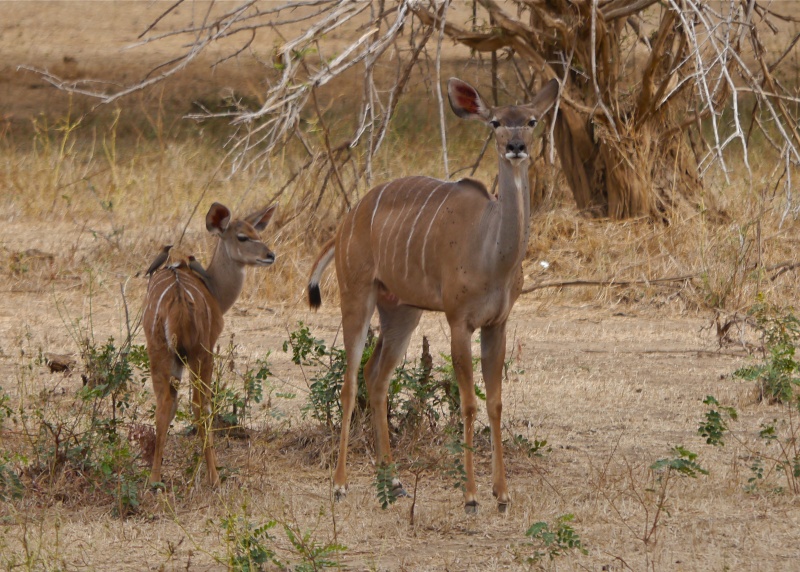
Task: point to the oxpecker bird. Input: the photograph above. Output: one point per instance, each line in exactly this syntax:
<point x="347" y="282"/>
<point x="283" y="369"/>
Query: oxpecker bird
<point x="198" y="269"/>
<point x="159" y="260"/>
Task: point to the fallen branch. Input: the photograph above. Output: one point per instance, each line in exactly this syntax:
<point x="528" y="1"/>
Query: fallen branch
<point x="782" y="267"/>
<point x="612" y="282"/>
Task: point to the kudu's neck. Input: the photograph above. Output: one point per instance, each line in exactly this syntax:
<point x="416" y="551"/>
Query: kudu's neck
<point x="225" y="277"/>
<point x="515" y="210"/>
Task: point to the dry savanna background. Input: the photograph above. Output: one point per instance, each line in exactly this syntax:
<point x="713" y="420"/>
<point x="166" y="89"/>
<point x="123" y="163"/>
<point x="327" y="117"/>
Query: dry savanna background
<point x="649" y="424"/>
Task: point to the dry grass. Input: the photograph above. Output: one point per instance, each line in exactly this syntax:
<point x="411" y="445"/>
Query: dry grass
<point x="611" y="377"/>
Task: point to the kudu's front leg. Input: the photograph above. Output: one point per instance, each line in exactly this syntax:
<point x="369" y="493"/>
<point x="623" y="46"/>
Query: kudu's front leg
<point x="462" y="364"/>
<point x="493" y="351"/>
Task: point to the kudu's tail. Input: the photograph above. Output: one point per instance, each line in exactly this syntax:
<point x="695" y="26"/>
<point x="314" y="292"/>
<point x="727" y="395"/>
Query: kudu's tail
<point x="323" y="260"/>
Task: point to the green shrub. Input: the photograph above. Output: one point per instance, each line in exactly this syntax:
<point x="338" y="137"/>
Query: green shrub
<point x="776" y="377"/>
<point x="554" y="541"/>
<point x="87" y="438"/>
<point x="418" y="393"/>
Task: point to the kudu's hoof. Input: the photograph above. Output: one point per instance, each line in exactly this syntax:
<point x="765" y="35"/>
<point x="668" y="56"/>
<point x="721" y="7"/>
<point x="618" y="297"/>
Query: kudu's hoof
<point x="339" y="493"/>
<point x="398" y="491"/>
<point x="471" y="507"/>
<point x="502" y="507"/>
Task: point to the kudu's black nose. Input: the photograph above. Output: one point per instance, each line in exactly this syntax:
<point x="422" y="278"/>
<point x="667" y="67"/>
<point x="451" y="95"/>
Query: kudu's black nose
<point x="516" y="147"/>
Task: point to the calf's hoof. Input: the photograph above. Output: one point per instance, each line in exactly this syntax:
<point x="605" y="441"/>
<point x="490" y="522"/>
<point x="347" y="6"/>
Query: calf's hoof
<point x="339" y="492"/>
<point x="471" y="507"/>
<point x="398" y="490"/>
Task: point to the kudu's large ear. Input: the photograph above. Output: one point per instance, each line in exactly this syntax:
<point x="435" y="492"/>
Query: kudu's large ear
<point x="544" y="100"/>
<point x="260" y="219"/>
<point x="465" y="100"/>
<point x="218" y="218"/>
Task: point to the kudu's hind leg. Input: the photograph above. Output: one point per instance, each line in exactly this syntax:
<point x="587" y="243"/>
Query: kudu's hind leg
<point x="493" y="351"/>
<point x="397" y="325"/>
<point x="356" y="313"/>
<point x="202" y="372"/>
<point x="166" y="404"/>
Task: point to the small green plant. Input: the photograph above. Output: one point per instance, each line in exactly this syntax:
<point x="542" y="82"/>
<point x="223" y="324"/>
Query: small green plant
<point x="87" y="440"/>
<point x="325" y="384"/>
<point x="10" y="483"/>
<point x="248" y="544"/>
<point x="539" y="448"/>
<point x="252" y="548"/>
<point x="716" y="421"/>
<point x="109" y="370"/>
<point x="232" y="403"/>
<point x="777" y="377"/>
<point x="454" y="467"/>
<point x="554" y="541"/>
<point x="384" y="484"/>
<point x="417" y="392"/>
<point x="314" y="555"/>
<point x="756" y="475"/>
<point x="684" y="462"/>
<point x="777" y="451"/>
<point x="5" y="409"/>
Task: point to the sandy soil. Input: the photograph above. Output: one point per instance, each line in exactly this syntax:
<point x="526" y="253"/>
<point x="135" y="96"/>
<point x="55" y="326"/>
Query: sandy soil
<point x="610" y="389"/>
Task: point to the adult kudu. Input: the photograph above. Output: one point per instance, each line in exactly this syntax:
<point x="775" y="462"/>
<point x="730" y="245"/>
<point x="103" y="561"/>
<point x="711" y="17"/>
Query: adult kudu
<point x="183" y="320"/>
<point x="419" y="243"/>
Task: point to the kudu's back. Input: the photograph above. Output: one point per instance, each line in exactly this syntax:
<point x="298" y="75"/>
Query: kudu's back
<point x="181" y="313"/>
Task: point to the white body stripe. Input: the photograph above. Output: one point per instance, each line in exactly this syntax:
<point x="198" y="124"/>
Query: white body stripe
<point x="349" y="239"/>
<point x="409" y="209"/>
<point x="158" y="304"/>
<point x="414" y="225"/>
<point x="430" y="226"/>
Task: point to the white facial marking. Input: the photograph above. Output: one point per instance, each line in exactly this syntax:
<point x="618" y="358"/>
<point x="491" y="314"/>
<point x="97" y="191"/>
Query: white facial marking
<point x="518" y="181"/>
<point x="516" y="158"/>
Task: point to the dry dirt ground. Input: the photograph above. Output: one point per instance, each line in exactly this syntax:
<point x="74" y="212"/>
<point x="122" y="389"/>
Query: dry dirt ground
<point x="610" y="387"/>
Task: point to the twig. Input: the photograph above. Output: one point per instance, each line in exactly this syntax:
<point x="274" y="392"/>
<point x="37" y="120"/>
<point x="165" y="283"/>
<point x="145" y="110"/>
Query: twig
<point x="440" y="99"/>
<point x="612" y="282"/>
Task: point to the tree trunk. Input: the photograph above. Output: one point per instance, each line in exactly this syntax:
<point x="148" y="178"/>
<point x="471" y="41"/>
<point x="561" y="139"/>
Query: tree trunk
<point x="645" y="173"/>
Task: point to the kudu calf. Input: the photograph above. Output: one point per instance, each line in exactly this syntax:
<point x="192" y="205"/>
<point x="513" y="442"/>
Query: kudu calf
<point x="183" y="319"/>
<point x="417" y="244"/>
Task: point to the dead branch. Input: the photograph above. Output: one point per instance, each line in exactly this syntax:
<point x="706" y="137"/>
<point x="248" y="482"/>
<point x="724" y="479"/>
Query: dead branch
<point x="699" y="60"/>
<point x="611" y="282"/>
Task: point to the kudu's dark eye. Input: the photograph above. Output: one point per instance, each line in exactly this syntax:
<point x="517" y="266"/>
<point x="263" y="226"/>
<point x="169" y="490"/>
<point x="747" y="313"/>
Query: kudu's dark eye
<point x="242" y="237"/>
<point x="532" y="122"/>
<point x="494" y="123"/>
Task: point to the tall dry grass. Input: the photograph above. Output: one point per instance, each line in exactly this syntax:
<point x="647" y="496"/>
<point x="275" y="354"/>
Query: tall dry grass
<point x="130" y="194"/>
